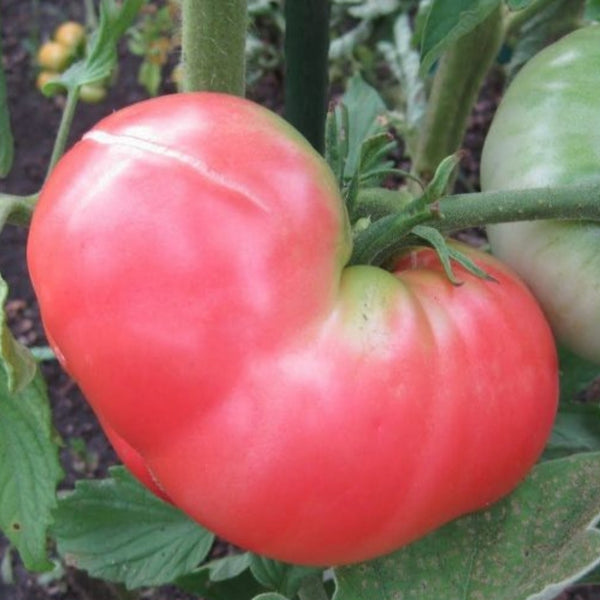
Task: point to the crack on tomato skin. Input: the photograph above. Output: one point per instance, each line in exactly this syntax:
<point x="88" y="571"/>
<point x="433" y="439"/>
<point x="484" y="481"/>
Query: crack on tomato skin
<point x="109" y="139"/>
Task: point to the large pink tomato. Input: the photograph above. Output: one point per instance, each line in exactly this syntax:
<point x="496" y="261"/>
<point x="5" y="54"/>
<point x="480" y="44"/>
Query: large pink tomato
<point x="189" y="259"/>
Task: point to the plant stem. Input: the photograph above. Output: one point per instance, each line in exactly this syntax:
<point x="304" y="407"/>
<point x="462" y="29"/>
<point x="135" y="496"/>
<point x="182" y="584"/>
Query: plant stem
<point x="387" y="235"/>
<point x="574" y="202"/>
<point x="579" y="202"/>
<point x="306" y="67"/>
<point x="63" y="129"/>
<point x="16" y="209"/>
<point x="6" y="136"/>
<point x="456" y="84"/>
<point x="312" y="588"/>
<point x="515" y="20"/>
<point x="213" y="45"/>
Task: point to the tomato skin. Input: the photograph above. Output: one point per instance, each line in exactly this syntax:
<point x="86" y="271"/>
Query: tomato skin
<point x="54" y="56"/>
<point x="71" y="35"/>
<point x="545" y="133"/>
<point x="188" y="256"/>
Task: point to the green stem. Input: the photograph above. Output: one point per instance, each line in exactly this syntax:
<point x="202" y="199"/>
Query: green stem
<point x="574" y="202"/>
<point x="455" y="88"/>
<point x="6" y="137"/>
<point x="62" y="136"/>
<point x="312" y="589"/>
<point x="213" y="45"/>
<point x="16" y="210"/>
<point x="579" y="202"/>
<point x="307" y="67"/>
<point x="515" y="20"/>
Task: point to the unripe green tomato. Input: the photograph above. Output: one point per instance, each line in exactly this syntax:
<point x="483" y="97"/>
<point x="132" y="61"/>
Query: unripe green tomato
<point x="70" y="34"/>
<point x="92" y="93"/>
<point x="45" y="77"/>
<point x="54" y="56"/>
<point x="546" y="133"/>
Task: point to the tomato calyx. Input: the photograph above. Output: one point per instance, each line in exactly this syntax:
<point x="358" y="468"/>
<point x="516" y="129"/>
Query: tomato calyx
<point x="403" y="225"/>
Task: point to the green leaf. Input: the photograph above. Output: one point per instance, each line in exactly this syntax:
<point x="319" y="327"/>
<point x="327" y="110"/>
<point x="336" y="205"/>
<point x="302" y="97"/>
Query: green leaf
<point x="149" y="75"/>
<point x="592" y="10"/>
<point x="577" y="425"/>
<point x="17" y="362"/>
<point x="270" y="596"/>
<point x="280" y="577"/>
<point x="366" y="118"/>
<point x="518" y="4"/>
<point x="227" y="578"/>
<point x="545" y="25"/>
<point x="404" y="62"/>
<point x="117" y="530"/>
<point x="16" y="209"/>
<point x="102" y="56"/>
<point x="29" y="470"/>
<point x="336" y="141"/>
<point x="576" y="429"/>
<point x="447" y="22"/>
<point x="530" y="545"/>
<point x="6" y="136"/>
<point x="576" y="374"/>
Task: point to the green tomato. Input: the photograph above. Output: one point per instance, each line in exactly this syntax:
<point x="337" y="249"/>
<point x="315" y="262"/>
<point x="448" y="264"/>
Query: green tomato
<point x="54" y="56"/>
<point x="92" y="93"/>
<point x="546" y="133"/>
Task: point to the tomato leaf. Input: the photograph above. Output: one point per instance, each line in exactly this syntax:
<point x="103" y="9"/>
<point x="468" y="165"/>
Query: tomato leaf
<point x="449" y="21"/>
<point x="366" y="118"/>
<point x="117" y="530"/>
<point x="518" y="4"/>
<point x="576" y="374"/>
<point x="16" y="360"/>
<point x="543" y="532"/>
<point x="576" y="429"/>
<point x="403" y="61"/>
<point x="29" y="470"/>
<point x="577" y="425"/>
<point x="278" y="576"/>
<point x="227" y="578"/>
<point x="592" y="10"/>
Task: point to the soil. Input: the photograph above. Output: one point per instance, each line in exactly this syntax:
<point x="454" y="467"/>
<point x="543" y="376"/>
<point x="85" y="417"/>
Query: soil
<point x="34" y="121"/>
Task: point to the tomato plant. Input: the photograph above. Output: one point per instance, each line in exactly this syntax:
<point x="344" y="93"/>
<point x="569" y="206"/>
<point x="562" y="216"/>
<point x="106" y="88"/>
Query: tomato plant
<point x="277" y="345"/>
<point x="545" y="133"/>
<point x="298" y="396"/>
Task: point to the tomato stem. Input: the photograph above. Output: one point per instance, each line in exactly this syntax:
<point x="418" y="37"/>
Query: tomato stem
<point x="213" y="45"/>
<point x="16" y="209"/>
<point x="307" y="68"/>
<point x="66" y="120"/>
<point x="456" y="83"/>
<point x="6" y="140"/>
<point x="459" y="211"/>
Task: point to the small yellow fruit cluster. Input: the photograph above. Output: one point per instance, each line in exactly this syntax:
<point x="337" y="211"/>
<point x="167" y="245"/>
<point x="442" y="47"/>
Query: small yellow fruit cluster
<point x="56" y="55"/>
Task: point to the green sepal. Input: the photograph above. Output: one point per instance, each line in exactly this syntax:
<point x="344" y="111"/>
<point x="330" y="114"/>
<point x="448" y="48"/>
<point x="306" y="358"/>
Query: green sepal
<point x="447" y="254"/>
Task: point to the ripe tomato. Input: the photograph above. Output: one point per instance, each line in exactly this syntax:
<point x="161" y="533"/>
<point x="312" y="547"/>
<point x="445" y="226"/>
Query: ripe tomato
<point x="70" y="34"/>
<point x="53" y="56"/>
<point x="189" y="259"/>
<point x="546" y="133"/>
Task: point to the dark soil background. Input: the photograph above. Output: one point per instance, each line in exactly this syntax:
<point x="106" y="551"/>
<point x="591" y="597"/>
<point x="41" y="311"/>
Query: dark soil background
<point x="35" y="120"/>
